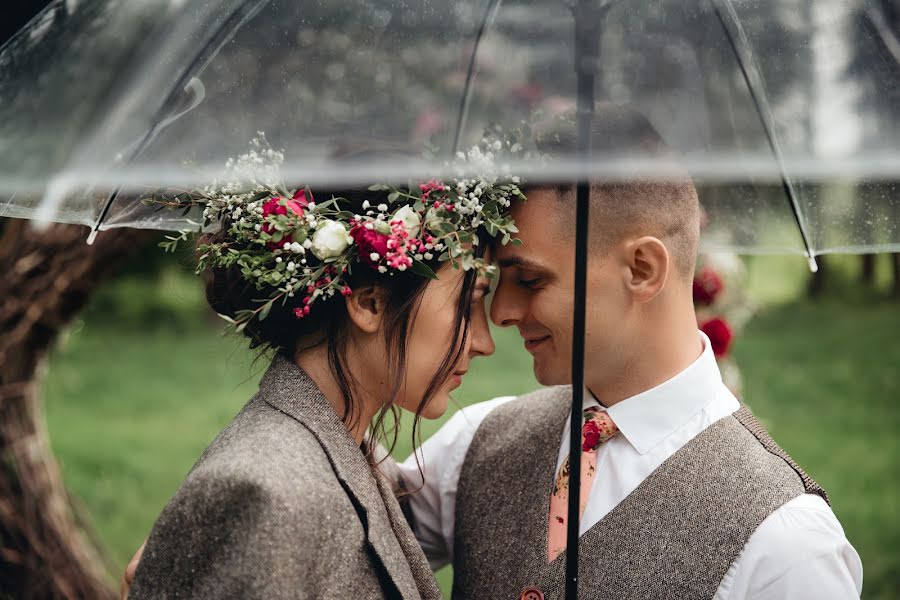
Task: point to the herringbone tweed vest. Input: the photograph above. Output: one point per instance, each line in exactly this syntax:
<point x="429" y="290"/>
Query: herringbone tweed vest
<point x="674" y="537"/>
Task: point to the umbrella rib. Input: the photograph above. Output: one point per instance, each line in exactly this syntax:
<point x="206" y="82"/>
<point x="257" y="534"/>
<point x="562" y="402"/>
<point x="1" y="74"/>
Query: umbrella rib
<point x="489" y="14"/>
<point x="888" y="38"/>
<point x="234" y="22"/>
<point x="757" y="93"/>
<point x="28" y="28"/>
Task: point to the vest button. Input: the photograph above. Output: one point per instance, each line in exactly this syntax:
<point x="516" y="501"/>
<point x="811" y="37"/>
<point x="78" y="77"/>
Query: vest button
<point x="532" y="593"/>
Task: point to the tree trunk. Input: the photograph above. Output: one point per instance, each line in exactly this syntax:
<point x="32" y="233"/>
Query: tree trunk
<point x="895" y="262"/>
<point x="867" y="274"/>
<point x="46" y="279"/>
<point x="818" y="280"/>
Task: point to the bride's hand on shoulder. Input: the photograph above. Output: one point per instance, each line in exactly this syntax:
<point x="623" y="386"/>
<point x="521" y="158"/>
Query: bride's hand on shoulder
<point x="128" y="577"/>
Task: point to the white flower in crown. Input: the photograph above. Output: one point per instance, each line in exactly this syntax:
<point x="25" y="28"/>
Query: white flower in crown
<point x="411" y="220"/>
<point x="330" y="239"/>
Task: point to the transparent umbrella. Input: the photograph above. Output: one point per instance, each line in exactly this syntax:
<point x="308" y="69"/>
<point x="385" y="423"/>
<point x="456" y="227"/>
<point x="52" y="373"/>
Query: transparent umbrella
<point x="794" y="107"/>
<point x="787" y="115"/>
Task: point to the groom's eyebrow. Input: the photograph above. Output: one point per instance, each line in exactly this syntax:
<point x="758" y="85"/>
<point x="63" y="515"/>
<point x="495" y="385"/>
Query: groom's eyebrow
<point x="521" y="263"/>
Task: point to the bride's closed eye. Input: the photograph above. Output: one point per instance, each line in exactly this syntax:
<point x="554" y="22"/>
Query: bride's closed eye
<point x="480" y="293"/>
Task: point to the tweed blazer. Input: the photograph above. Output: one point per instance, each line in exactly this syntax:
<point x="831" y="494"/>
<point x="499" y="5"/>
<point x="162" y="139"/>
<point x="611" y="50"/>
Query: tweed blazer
<point x="283" y="504"/>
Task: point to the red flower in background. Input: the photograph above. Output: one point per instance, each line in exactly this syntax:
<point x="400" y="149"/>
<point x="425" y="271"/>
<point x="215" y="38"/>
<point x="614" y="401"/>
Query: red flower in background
<point x="719" y="333"/>
<point x="707" y="286"/>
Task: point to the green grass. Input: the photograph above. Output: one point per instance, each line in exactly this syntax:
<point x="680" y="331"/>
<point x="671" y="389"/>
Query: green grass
<point x="824" y="380"/>
<point x="132" y="399"/>
<point x="129" y="412"/>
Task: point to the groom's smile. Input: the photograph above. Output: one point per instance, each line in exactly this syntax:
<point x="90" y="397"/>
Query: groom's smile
<point x="535" y="344"/>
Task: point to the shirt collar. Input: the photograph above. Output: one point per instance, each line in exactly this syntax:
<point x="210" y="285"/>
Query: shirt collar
<point x="651" y="416"/>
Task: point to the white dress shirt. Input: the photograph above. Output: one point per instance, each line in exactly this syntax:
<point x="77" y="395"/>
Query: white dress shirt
<point x="799" y="551"/>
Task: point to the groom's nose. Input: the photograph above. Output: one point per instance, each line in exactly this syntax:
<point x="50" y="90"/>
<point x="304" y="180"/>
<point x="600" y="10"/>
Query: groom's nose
<point x="508" y="305"/>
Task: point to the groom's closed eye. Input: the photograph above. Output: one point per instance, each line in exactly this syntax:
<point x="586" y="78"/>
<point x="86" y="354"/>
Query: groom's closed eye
<point x="526" y="273"/>
<point x="532" y="283"/>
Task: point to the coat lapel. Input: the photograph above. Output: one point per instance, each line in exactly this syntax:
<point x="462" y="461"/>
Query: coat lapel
<point x="418" y="564"/>
<point x="547" y="425"/>
<point x="290" y="390"/>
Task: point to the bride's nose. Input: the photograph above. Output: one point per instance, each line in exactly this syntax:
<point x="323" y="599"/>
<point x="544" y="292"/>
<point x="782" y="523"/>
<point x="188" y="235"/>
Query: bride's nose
<point x="482" y="341"/>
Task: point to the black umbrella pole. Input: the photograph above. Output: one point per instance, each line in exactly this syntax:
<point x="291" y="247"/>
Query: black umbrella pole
<point x="582" y="217"/>
<point x="588" y="15"/>
<point x="582" y="197"/>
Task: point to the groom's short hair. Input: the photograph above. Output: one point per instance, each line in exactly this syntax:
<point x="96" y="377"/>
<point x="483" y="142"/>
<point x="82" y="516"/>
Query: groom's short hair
<point x="665" y="206"/>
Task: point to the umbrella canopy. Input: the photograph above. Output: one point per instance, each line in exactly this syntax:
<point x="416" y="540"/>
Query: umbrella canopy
<point x="784" y="115"/>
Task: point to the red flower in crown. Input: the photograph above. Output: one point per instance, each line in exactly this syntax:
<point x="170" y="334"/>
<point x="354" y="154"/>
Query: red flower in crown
<point x="591" y="435"/>
<point x="719" y="333"/>
<point x="707" y="286"/>
<point x="274" y="206"/>
<point x="369" y="242"/>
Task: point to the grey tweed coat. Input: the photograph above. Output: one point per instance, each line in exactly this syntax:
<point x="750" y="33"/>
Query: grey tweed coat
<point x="283" y="504"/>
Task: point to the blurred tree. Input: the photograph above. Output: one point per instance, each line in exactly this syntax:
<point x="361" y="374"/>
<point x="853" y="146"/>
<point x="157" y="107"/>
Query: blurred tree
<point x="47" y="277"/>
<point x="875" y="68"/>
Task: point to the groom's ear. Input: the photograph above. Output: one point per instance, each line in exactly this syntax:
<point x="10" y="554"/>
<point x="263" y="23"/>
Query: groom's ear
<point x="365" y="307"/>
<point x="648" y="263"/>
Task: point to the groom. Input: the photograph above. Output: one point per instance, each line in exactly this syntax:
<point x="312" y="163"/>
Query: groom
<point x="684" y="494"/>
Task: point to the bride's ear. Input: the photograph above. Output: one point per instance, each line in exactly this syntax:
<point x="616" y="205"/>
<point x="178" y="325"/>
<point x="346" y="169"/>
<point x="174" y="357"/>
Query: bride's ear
<point x="365" y="307"/>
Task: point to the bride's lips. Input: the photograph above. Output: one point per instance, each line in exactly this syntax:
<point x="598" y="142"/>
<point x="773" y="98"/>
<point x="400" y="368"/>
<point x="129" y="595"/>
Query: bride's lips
<point x="534" y="343"/>
<point x="457" y="378"/>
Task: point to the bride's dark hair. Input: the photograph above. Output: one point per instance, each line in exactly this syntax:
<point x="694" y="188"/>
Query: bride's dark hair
<point x="228" y="292"/>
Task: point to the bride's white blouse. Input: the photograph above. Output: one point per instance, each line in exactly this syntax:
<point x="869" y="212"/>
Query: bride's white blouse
<point x="799" y="551"/>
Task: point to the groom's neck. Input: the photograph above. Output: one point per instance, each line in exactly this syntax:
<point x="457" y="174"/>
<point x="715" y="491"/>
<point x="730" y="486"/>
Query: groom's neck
<point x="664" y="344"/>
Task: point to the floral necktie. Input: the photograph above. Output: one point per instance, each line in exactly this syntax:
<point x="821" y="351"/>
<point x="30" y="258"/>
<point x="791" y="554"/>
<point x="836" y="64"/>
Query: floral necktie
<point x="598" y="428"/>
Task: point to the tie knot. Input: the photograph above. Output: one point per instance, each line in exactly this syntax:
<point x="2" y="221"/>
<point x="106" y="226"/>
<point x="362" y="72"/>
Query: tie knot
<point x="598" y="428"/>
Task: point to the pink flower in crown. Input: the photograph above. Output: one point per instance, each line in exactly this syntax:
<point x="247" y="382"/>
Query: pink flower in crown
<point x="427" y="188"/>
<point x="274" y="206"/>
<point x="369" y="242"/>
<point x="399" y="246"/>
<point x="399" y="261"/>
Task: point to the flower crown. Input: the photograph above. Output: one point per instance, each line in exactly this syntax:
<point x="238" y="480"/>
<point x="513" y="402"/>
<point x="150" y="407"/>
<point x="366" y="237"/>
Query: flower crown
<point x="298" y="251"/>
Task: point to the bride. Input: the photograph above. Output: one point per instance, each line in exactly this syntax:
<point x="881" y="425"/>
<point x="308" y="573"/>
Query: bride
<point x="372" y="301"/>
